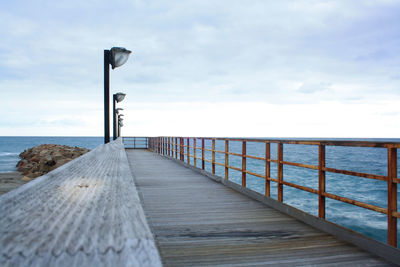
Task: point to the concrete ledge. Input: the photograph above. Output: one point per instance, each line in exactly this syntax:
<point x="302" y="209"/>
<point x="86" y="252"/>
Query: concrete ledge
<point x="85" y="213"/>
<point x="373" y="246"/>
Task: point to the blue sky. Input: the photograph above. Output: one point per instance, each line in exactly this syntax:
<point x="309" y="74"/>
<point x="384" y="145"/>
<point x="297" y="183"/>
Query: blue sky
<point x="201" y="68"/>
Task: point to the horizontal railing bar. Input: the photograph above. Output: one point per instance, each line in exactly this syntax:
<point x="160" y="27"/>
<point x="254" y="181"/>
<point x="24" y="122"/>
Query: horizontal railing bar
<point x="309" y="142"/>
<point x="235" y="154"/>
<point x="256" y="174"/>
<point x="308" y="166"/>
<point x="359" y="174"/>
<point x="356" y="203"/>
<point x="254" y="157"/>
<point x="220" y="164"/>
<point x="304" y="188"/>
<point x="272" y="179"/>
<point x="234" y="168"/>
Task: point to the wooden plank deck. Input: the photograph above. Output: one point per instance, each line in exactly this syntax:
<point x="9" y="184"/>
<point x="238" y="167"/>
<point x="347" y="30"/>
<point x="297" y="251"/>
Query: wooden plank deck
<point x="197" y="221"/>
<point x="84" y="213"/>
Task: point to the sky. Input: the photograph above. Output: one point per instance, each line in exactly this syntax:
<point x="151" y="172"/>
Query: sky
<point x="227" y="68"/>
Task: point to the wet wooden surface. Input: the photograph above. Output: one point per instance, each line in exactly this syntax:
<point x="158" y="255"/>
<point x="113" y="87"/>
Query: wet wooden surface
<point x="197" y="221"/>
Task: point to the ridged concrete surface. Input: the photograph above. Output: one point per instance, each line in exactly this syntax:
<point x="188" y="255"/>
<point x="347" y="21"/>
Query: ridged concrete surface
<point x="85" y="213"/>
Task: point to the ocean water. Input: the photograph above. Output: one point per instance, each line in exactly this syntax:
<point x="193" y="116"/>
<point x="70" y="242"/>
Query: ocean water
<point x="360" y="159"/>
<point x="11" y="147"/>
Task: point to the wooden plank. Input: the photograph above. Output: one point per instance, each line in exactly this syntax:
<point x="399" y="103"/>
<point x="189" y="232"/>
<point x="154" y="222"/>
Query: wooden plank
<point x="198" y="222"/>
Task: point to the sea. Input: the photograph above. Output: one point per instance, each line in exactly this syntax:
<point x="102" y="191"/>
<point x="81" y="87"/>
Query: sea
<point x="361" y="159"/>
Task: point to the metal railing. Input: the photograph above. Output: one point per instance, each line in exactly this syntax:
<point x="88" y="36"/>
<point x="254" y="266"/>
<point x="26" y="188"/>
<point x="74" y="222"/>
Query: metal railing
<point x="136" y="142"/>
<point x="181" y="148"/>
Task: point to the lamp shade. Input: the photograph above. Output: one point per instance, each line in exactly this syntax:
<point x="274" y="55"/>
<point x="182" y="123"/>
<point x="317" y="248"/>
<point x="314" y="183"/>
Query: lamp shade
<point x="119" y="96"/>
<point x="118" y="56"/>
<point x="121" y="123"/>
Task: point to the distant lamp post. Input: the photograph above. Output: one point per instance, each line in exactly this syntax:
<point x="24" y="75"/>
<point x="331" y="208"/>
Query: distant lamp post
<point x="120" y="124"/>
<point x="118" y="97"/>
<point x="116" y="57"/>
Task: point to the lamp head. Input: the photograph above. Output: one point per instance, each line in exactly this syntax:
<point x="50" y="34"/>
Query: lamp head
<point x="118" y="110"/>
<point x="118" y="56"/>
<point x="119" y="96"/>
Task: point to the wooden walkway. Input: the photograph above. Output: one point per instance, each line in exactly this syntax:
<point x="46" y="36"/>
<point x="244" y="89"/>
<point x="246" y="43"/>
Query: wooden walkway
<point x="84" y="213"/>
<point x="197" y="221"/>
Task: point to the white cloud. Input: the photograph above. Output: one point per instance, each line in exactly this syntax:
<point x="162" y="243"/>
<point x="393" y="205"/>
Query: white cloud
<point x="287" y="54"/>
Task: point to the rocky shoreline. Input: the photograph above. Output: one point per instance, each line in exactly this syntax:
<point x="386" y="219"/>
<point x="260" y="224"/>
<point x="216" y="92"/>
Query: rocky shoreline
<point x="38" y="161"/>
<point x="42" y="159"/>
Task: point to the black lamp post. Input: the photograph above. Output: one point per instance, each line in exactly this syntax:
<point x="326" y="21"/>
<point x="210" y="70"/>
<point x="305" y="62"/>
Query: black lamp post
<point x="118" y="97"/>
<point x="116" y="56"/>
<point x="120" y="124"/>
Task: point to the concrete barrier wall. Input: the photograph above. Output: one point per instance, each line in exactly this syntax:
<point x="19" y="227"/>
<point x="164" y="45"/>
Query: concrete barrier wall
<point x="85" y="213"/>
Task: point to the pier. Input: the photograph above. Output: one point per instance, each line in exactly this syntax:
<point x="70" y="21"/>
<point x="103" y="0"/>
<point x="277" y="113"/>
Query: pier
<point x="197" y="221"/>
<point x="151" y="202"/>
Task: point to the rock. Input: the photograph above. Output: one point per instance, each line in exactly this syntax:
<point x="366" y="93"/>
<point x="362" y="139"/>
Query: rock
<point x="42" y="159"/>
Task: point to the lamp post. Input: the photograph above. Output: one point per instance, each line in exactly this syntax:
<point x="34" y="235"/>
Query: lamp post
<point x="117" y="110"/>
<point x="118" y="97"/>
<point x="120" y="124"/>
<point x="116" y="56"/>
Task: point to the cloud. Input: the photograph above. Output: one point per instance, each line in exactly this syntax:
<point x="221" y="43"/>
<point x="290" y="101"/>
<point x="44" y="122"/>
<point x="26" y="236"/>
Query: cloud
<point x="313" y="87"/>
<point x="274" y="52"/>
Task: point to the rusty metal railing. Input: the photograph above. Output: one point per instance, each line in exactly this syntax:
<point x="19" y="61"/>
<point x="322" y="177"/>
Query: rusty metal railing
<point x="177" y="148"/>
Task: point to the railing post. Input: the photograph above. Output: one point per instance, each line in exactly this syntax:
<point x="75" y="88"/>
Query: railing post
<point x="213" y="156"/>
<point x="181" y="149"/>
<point x="280" y="172"/>
<point x="392" y="196"/>
<point x="226" y="159"/>
<point x="244" y="163"/>
<point x="202" y="154"/>
<point x="176" y="147"/>
<point x="188" y="151"/>
<point x="267" y="169"/>
<point x="194" y="152"/>
<point x="321" y="181"/>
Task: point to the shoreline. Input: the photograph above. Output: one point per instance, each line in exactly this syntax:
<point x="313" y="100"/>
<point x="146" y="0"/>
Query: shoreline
<point x="11" y="180"/>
